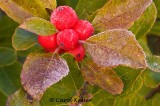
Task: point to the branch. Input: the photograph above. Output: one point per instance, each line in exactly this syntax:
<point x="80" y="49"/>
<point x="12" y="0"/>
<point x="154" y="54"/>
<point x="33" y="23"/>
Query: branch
<point x="153" y="92"/>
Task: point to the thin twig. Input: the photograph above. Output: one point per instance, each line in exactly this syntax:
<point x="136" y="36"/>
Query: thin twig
<point x="153" y="92"/>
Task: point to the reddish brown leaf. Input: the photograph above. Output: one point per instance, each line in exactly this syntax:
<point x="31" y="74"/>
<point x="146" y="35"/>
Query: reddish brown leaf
<point x="115" y="47"/>
<point x="119" y="14"/>
<point x="40" y="71"/>
<point x="105" y="78"/>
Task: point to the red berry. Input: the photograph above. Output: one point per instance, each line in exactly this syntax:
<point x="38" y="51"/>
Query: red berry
<point x="67" y="39"/>
<point x="78" y="52"/>
<point x="49" y="43"/>
<point x="63" y="17"/>
<point x="84" y="29"/>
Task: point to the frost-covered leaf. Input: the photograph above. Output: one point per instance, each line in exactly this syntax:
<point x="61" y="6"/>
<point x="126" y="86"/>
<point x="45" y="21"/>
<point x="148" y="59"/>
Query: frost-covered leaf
<point x="103" y="77"/>
<point x="143" y="25"/>
<point x="19" y="10"/>
<point x="119" y="14"/>
<point x="86" y="8"/>
<point x="22" y="40"/>
<point x="154" y="63"/>
<point x="7" y="56"/>
<point x="115" y="47"/>
<point x="20" y="98"/>
<point x="38" y="26"/>
<point x="50" y="4"/>
<point x="66" y="88"/>
<point x="10" y="78"/>
<point x="40" y="71"/>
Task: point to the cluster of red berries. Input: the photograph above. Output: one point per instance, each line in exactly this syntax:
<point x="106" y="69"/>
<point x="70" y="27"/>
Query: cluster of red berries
<point x="71" y="30"/>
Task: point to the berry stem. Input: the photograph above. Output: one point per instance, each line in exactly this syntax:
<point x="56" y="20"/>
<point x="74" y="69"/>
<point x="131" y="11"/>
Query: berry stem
<point x="57" y="49"/>
<point x="81" y="41"/>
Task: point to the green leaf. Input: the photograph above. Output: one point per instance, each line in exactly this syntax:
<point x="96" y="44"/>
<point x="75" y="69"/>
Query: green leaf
<point x="3" y="99"/>
<point x="103" y="77"/>
<point x="75" y="71"/>
<point x="144" y="44"/>
<point x="50" y="4"/>
<point x="101" y="98"/>
<point x="156" y="29"/>
<point x="19" y="10"/>
<point x="67" y="87"/>
<point x="151" y="78"/>
<point x="130" y="101"/>
<point x="157" y="2"/>
<point x="40" y="71"/>
<point x="7" y="56"/>
<point x="1" y="14"/>
<point x="71" y="3"/>
<point x="113" y="48"/>
<point x="39" y="26"/>
<point x="155" y="101"/>
<point x="20" y="98"/>
<point x="23" y="40"/>
<point x="85" y="9"/>
<point x="143" y="25"/>
<point x="119" y="14"/>
<point x="7" y="27"/>
<point x="10" y="78"/>
<point x="129" y="77"/>
<point x="136" y="87"/>
<point x="154" y="63"/>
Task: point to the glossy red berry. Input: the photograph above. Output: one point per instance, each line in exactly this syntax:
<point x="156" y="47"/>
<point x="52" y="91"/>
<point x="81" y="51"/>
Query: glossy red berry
<point x="84" y="29"/>
<point x="63" y="17"/>
<point x="78" y="52"/>
<point x="49" y="43"/>
<point x="67" y="39"/>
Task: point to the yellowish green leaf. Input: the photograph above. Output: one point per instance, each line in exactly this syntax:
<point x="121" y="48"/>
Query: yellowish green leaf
<point x="156" y="29"/>
<point x="14" y="11"/>
<point x="143" y="25"/>
<point x="38" y="26"/>
<point x="50" y="4"/>
<point x="151" y="78"/>
<point x="86" y="8"/>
